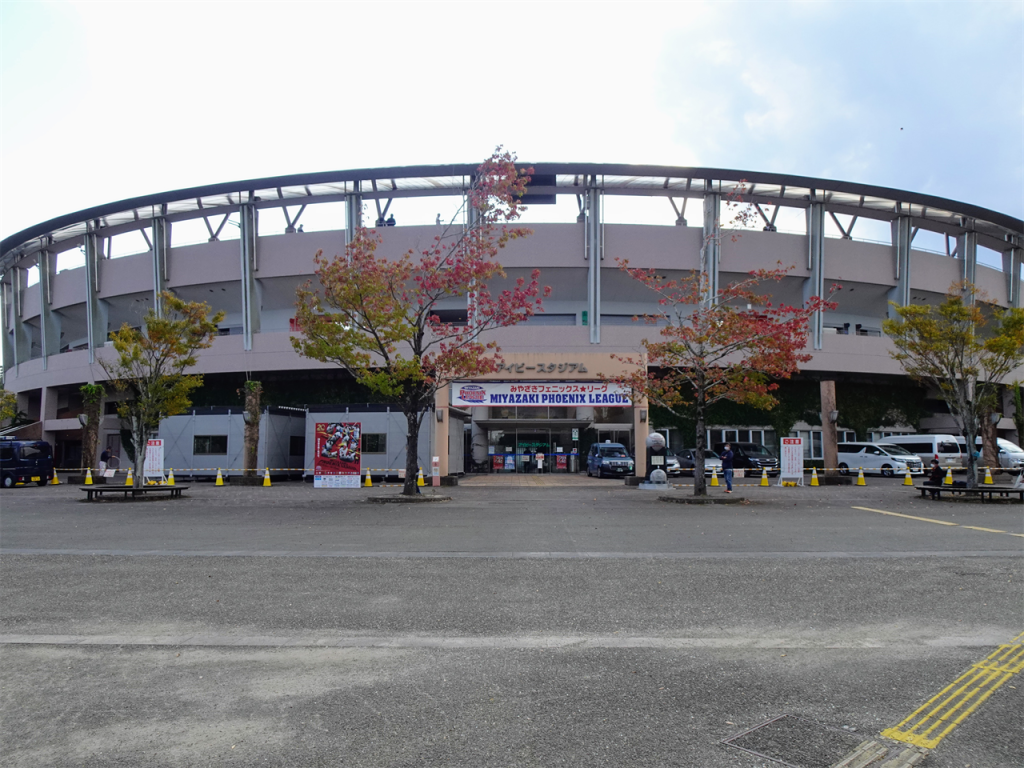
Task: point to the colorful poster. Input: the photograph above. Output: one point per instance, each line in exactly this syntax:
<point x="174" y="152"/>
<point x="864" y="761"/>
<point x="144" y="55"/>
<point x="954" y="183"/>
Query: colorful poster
<point x="498" y="463"/>
<point x="337" y="455"/>
<point x="561" y="460"/>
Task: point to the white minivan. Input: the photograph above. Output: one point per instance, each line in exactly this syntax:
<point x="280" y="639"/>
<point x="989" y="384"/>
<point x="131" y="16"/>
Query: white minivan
<point x="945" y="448"/>
<point x="1010" y="454"/>
<point x="880" y="458"/>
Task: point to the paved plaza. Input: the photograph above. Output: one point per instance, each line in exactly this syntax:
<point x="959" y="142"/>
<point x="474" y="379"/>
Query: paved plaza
<point x="527" y="621"/>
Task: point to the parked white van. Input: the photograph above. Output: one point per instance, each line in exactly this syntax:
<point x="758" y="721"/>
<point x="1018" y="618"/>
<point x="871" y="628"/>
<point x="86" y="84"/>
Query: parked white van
<point x="945" y="448"/>
<point x="879" y="458"/>
<point x="1010" y="454"/>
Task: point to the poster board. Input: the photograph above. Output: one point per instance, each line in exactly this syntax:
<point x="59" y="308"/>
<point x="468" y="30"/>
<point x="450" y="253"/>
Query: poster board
<point x="337" y="455"/>
<point x="154" y="464"/>
<point x="791" y="460"/>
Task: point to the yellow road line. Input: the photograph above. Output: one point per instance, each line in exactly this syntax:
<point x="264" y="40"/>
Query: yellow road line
<point x="936" y="718"/>
<point x="909" y="517"/>
<point x="976" y="528"/>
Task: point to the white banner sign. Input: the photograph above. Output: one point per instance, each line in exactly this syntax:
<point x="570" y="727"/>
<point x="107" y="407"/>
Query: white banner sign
<point x="792" y="459"/>
<point x="490" y="393"/>
<point x="154" y="464"/>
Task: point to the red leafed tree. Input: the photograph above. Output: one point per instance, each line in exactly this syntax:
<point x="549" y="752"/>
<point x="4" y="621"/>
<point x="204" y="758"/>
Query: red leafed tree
<point x="377" y="317"/>
<point x="732" y="345"/>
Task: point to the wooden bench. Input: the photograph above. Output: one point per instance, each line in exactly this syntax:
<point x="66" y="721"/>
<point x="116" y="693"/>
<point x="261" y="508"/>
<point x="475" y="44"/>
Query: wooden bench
<point x="93" y="492"/>
<point x="982" y="491"/>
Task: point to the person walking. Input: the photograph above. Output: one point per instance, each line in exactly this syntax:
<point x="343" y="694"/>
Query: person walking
<point x="104" y="458"/>
<point x="727" y="466"/>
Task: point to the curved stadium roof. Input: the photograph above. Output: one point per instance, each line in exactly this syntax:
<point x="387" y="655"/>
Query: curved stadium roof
<point x="995" y="230"/>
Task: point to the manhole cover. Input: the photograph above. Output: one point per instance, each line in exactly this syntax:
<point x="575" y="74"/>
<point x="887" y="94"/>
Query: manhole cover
<point x="796" y="742"/>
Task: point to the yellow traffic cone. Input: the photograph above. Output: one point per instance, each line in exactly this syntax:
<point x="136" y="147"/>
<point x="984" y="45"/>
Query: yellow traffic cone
<point x="369" y="482"/>
<point x="907" y="479"/>
<point x="948" y="480"/>
<point x="220" y="478"/>
<point x="988" y="476"/>
<point x="714" y="477"/>
<point x="130" y="480"/>
<point x="419" y="480"/>
<point x="860" y="477"/>
<point x="764" y="478"/>
<point x="54" y="480"/>
<point x="88" y="476"/>
<point x="170" y="477"/>
<point x="814" y="477"/>
<point x="266" y="477"/>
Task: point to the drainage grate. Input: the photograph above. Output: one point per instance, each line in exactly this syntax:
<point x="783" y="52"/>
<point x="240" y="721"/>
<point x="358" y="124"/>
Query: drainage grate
<point x="796" y="742"/>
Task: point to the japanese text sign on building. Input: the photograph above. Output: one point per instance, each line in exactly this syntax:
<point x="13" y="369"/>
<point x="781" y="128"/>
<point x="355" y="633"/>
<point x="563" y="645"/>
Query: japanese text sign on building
<point x="594" y="393"/>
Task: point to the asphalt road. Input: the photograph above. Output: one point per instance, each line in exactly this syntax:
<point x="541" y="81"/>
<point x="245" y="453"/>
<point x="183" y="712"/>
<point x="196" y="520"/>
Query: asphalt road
<point x="588" y="625"/>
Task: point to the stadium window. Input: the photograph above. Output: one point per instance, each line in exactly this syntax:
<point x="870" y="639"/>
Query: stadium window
<point x="375" y="442"/>
<point x="210" y="445"/>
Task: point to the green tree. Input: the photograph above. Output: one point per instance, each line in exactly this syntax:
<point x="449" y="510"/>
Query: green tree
<point x="8" y="406"/>
<point x="964" y="347"/>
<point x="149" y="366"/>
<point x="377" y="316"/>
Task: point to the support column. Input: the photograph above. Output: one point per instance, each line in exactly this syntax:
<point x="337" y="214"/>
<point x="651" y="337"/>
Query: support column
<point x="1011" y="271"/>
<point x="21" y="337"/>
<point x="711" y="253"/>
<point x="902" y="234"/>
<point x="593" y="245"/>
<point x="353" y="214"/>
<point x="49" y="321"/>
<point x="7" y="359"/>
<point x="829" y="436"/>
<point x="161" y="250"/>
<point x="815" y="284"/>
<point x="641" y="429"/>
<point x="251" y="293"/>
<point x="47" y="411"/>
<point x="967" y="249"/>
<point x="96" y="310"/>
<point x="439" y="422"/>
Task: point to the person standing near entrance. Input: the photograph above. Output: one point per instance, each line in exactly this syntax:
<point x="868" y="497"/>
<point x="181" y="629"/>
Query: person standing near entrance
<point x="727" y="466"/>
<point x="104" y="458"/>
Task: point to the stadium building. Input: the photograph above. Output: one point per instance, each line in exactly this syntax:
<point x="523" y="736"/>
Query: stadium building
<point x="244" y="247"/>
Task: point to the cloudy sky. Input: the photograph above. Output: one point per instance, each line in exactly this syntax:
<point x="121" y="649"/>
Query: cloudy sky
<point x="101" y="101"/>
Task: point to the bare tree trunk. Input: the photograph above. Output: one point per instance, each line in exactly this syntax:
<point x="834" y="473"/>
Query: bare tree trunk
<point x="989" y="446"/>
<point x="140" y="436"/>
<point x="829" y="434"/>
<point x="413" y="417"/>
<point x="253" y="393"/>
<point x="90" y="433"/>
<point x="700" y="487"/>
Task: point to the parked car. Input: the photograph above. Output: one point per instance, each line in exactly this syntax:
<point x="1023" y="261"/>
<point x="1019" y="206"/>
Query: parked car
<point x="883" y="458"/>
<point x="1010" y="454"/>
<point x="927" y="447"/>
<point x="25" y="461"/>
<point x="609" y="459"/>
<point x="752" y="456"/>
<point x="688" y="462"/>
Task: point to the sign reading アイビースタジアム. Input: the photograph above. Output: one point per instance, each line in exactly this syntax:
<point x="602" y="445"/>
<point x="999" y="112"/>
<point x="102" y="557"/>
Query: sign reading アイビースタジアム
<point x="593" y="393"/>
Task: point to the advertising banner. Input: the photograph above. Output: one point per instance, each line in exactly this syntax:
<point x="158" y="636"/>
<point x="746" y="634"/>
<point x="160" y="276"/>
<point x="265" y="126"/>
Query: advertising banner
<point x="337" y="455"/>
<point x="792" y="459"/>
<point x="490" y="393"/>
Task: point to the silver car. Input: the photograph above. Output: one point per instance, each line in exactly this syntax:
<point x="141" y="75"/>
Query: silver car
<point x="687" y="459"/>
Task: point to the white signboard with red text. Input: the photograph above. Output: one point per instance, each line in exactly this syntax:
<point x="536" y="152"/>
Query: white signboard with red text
<point x="153" y="466"/>
<point x="792" y="460"/>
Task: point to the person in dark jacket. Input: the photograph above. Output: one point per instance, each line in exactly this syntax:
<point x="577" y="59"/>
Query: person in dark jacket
<point x="726" y="456"/>
<point x="934" y="477"/>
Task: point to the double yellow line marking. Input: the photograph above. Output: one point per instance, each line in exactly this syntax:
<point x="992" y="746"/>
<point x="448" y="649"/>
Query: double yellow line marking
<point x="939" y="522"/>
<point x="933" y="721"/>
